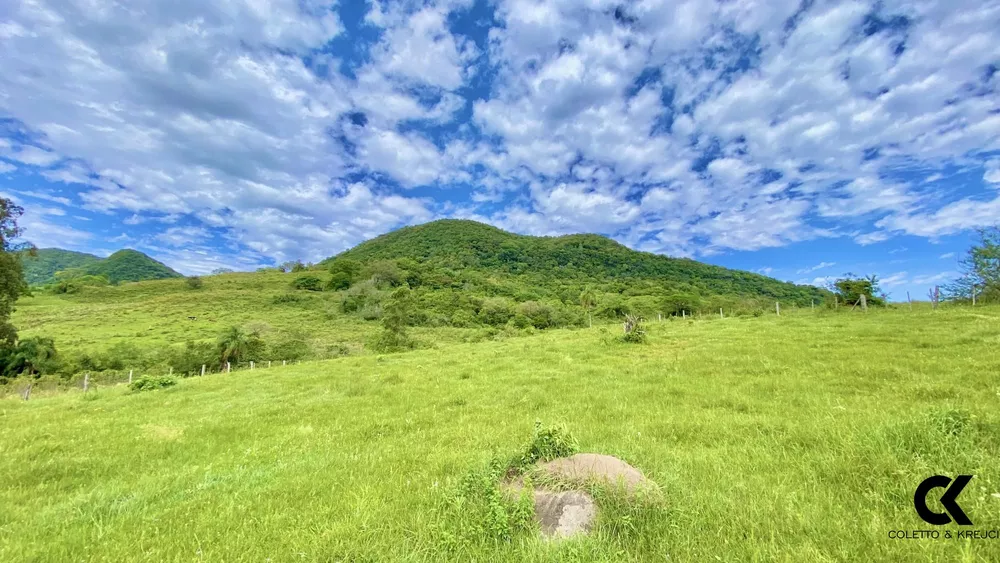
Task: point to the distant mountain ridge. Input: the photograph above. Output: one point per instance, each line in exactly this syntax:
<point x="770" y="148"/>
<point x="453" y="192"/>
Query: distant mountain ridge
<point x="122" y="266"/>
<point x="588" y="258"/>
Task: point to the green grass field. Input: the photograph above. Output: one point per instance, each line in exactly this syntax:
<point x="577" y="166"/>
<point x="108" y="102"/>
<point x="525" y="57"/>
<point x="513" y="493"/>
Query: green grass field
<point x="799" y="438"/>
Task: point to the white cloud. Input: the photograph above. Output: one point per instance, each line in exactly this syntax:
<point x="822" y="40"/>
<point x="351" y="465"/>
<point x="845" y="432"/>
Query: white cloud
<point x="930" y="279"/>
<point x="819" y="266"/>
<point x="992" y="174"/>
<point x="947" y="255"/>
<point x="6" y="167"/>
<point x="894" y="280"/>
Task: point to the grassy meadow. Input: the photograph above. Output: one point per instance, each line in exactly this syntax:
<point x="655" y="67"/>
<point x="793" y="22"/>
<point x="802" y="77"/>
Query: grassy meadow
<point x="792" y="438"/>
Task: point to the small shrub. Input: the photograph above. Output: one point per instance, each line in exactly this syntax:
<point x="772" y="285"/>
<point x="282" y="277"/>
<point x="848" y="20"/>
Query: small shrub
<point x="308" y="283"/>
<point x="388" y="340"/>
<point x="151" y="382"/>
<point x="371" y="312"/>
<point x="289" y="299"/>
<point x="194" y="282"/>
<point x="635" y="333"/>
<point x="546" y="444"/>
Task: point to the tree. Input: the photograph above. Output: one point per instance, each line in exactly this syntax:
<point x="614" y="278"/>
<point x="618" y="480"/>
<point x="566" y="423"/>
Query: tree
<point x="237" y="345"/>
<point x="588" y="300"/>
<point x="344" y="273"/>
<point x="850" y="288"/>
<point x="396" y="315"/>
<point x="194" y="282"/>
<point x="12" y="284"/>
<point x="980" y="270"/>
<point x="32" y="356"/>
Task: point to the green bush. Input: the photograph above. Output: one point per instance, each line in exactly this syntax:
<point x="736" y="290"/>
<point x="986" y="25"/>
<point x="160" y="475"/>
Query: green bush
<point x="194" y="282"/>
<point x="359" y="295"/>
<point x="546" y="444"/>
<point x="151" y="382"/>
<point x="371" y="312"/>
<point x="308" y="283"/>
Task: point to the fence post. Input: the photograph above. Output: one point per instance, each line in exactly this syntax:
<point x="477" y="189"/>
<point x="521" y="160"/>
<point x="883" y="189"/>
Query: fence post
<point x="229" y="367"/>
<point x="269" y="363"/>
<point x="908" y="301"/>
<point x="864" y="304"/>
<point x="282" y="362"/>
<point x="836" y="302"/>
<point x="813" y="304"/>
<point x="973" y="295"/>
<point x="86" y="381"/>
<point x="721" y="316"/>
<point x="251" y="364"/>
<point x="777" y="308"/>
<point x="171" y="370"/>
<point x="203" y="370"/>
<point x="130" y="377"/>
<point x="684" y="314"/>
<point x="27" y="392"/>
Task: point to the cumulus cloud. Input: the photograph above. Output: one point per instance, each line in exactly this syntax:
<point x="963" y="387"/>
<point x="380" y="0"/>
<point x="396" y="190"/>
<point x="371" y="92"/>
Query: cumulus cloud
<point x="688" y="127"/>
<point x="819" y="266"/>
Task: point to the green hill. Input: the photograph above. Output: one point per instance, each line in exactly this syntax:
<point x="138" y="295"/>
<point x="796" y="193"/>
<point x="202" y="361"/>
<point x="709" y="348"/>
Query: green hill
<point x="122" y="266"/>
<point x="583" y="259"/>
<point x="41" y="268"/>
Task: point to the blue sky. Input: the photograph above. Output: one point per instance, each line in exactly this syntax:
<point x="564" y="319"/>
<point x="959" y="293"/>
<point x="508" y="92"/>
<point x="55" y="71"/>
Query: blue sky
<point x="801" y="139"/>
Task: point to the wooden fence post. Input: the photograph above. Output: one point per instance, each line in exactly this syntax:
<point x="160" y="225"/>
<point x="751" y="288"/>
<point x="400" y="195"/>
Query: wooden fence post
<point x="269" y="363"/>
<point x="684" y="314"/>
<point x="777" y="308"/>
<point x="86" y="381"/>
<point x="251" y="364"/>
<point x="721" y="316"/>
<point x="27" y="392"/>
<point x="203" y="370"/>
<point x="282" y="362"/>
<point x="864" y="304"/>
<point x="973" y="295"/>
<point x="130" y="377"/>
<point x="229" y="367"/>
<point x="813" y="304"/>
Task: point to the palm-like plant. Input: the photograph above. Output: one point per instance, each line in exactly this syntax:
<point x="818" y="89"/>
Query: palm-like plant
<point x="588" y="301"/>
<point x="235" y="345"/>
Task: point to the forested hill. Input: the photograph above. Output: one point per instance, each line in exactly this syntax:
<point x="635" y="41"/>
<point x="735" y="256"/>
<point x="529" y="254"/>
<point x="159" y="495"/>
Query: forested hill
<point x="122" y="266"/>
<point x="586" y="259"/>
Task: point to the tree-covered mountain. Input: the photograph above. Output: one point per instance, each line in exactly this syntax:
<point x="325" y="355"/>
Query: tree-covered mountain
<point x="579" y="260"/>
<point x="122" y="266"/>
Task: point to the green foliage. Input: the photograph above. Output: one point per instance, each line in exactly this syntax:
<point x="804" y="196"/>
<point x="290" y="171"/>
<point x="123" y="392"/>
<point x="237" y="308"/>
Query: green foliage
<point x="383" y="273"/>
<point x="360" y="295"/>
<point x="236" y="345"/>
<point x="850" y="288"/>
<point x="547" y="443"/>
<point x="12" y="284"/>
<point x="396" y="314"/>
<point x="542" y="262"/>
<point x="308" y="283"/>
<point x="634" y="331"/>
<point x="52" y="264"/>
<point x="291" y="347"/>
<point x="194" y="282"/>
<point x="187" y="360"/>
<point x="47" y="262"/>
<point x="980" y="270"/>
<point x="71" y="282"/>
<point x="343" y="273"/>
<point x="30" y="356"/>
<point x="152" y="382"/>
<point x="477" y="512"/>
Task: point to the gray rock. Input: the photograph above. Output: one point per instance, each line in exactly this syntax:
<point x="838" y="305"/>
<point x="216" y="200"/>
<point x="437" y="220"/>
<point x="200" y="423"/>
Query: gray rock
<point x="564" y="514"/>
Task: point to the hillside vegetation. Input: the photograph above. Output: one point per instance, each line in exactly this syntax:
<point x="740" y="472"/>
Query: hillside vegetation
<point x="792" y="438"/>
<point x="574" y="260"/>
<point x="421" y="286"/>
<point x="122" y="266"/>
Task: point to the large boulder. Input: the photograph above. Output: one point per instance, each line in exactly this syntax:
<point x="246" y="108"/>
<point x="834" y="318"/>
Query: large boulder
<point x="567" y="513"/>
<point x="564" y="514"/>
<point x="584" y="469"/>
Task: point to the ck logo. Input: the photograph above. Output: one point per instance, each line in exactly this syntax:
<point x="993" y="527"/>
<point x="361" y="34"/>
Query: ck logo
<point x="951" y="491"/>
